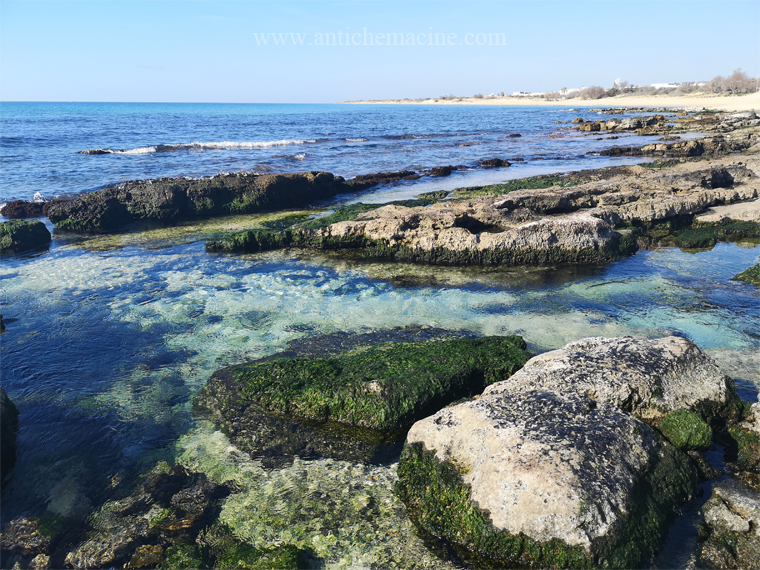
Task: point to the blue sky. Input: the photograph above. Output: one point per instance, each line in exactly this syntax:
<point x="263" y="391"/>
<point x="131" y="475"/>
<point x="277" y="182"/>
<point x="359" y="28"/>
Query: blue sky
<point x="208" y="51"/>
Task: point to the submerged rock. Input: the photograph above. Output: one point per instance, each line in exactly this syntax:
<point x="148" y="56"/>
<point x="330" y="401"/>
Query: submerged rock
<point x="648" y="378"/>
<point x="21" y="235"/>
<point x="22" y="536"/>
<point x="536" y="478"/>
<point x="8" y="432"/>
<point x="732" y="526"/>
<point x="171" y="505"/>
<point x="352" y="405"/>
<point x="177" y="199"/>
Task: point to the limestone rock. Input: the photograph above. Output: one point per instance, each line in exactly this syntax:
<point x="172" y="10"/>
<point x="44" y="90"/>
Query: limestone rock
<point x="732" y="520"/>
<point x="540" y="478"/>
<point x="645" y="377"/>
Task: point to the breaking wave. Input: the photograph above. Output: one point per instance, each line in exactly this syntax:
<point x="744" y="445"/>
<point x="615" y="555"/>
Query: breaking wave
<point x="196" y="146"/>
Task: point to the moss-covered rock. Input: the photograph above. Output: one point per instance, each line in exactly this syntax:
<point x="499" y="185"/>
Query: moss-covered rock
<point x="542" y="480"/>
<point x="352" y="405"/>
<point x="176" y="199"/>
<point x="383" y="388"/>
<point x="701" y="236"/>
<point x="20" y="235"/>
<point x="731" y="518"/>
<point x="745" y="446"/>
<point x="751" y="275"/>
<point x="686" y="430"/>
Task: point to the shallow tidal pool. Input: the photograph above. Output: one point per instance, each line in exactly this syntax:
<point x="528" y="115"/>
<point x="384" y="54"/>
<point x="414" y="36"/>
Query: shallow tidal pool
<point x="107" y="342"/>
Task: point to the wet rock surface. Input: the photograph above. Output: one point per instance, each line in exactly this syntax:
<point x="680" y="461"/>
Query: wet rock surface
<point x="176" y="199"/>
<point x="22" y="235"/>
<point x="545" y="479"/>
<point x="587" y="216"/>
<point x="356" y="405"/>
<point x="170" y="506"/>
<point x="732" y="527"/>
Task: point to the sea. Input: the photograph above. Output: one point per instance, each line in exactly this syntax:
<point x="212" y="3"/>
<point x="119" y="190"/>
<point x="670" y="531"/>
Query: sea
<point x="108" y="339"/>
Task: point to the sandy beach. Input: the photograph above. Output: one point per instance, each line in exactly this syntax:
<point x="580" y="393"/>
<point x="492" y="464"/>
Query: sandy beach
<point x="720" y="102"/>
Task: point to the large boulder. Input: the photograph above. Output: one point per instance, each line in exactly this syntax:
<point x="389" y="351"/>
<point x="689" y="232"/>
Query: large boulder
<point x="8" y="433"/>
<point x="545" y="479"/>
<point x="352" y="405"/>
<point x="732" y="526"/>
<point x="649" y="378"/>
<point x="21" y="235"/>
<point x="177" y="199"/>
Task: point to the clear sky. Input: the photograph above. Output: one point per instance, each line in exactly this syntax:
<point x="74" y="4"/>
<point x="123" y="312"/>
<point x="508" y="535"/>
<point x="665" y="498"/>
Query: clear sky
<point x="209" y="51"/>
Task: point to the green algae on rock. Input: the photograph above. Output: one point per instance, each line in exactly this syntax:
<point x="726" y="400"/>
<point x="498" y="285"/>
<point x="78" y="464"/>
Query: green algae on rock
<point x="686" y="430"/>
<point x="381" y="387"/>
<point x="701" y="236"/>
<point x="170" y="504"/>
<point x="731" y="519"/>
<point x="354" y="405"/>
<point x="580" y="484"/>
<point x="176" y="199"/>
<point x="21" y="235"/>
<point x="751" y="275"/>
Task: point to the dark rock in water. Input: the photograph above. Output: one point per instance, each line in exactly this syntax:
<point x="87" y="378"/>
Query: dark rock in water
<point x="493" y="163"/>
<point x="441" y="171"/>
<point x="514" y="135"/>
<point x="22" y="536"/>
<point x="544" y="479"/>
<point x="21" y="235"/>
<point x="177" y="199"/>
<point x="169" y="508"/>
<point x="8" y="432"/>
<point x="732" y="526"/>
<point x="354" y="405"/>
<point x="367" y="180"/>
<point x="22" y="209"/>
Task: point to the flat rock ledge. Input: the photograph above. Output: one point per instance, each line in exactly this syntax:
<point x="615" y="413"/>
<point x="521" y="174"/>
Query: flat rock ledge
<point x="171" y="200"/>
<point x="585" y="217"/>
<point x="576" y="460"/>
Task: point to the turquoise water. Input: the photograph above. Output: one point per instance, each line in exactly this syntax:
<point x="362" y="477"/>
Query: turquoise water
<point x="106" y="347"/>
<point x="108" y="339"/>
<point x="40" y="142"/>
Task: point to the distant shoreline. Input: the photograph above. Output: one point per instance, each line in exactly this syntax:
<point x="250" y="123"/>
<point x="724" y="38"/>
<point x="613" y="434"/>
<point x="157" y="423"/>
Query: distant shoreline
<point x="720" y="102"/>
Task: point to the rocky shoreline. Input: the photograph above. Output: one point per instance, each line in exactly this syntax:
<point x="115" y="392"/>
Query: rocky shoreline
<point x="580" y="457"/>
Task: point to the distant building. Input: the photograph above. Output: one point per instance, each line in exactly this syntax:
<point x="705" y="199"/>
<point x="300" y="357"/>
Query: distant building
<point x="665" y="85"/>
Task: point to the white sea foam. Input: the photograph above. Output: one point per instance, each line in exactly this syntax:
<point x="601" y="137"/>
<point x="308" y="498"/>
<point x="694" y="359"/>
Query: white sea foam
<point x="356" y="140"/>
<point x="228" y="145"/>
